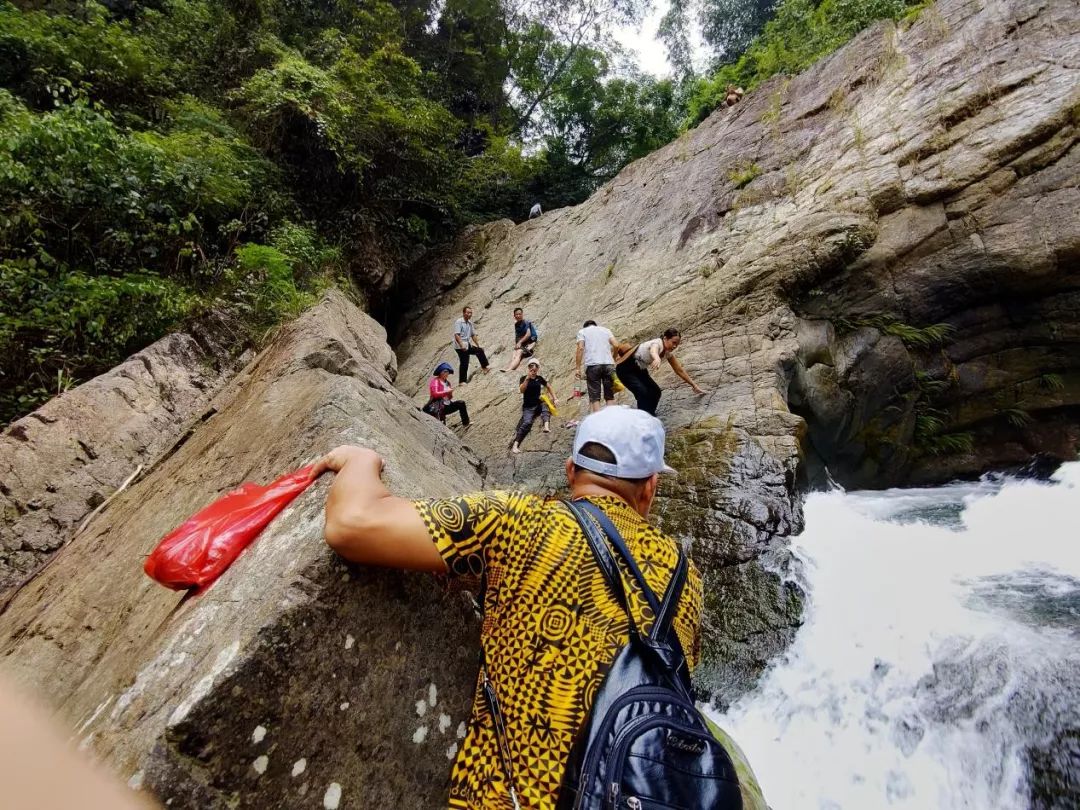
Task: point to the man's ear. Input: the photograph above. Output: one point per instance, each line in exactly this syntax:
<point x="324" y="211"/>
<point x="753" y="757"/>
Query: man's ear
<point x="571" y="471"/>
<point x="649" y="491"/>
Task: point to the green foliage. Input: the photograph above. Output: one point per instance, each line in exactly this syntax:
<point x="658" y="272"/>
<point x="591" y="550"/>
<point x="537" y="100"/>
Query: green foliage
<point x="949" y="444"/>
<point x="266" y="287"/>
<point x="800" y="33"/>
<point x="1017" y="417"/>
<point x="914" y="337"/>
<point x="930" y="436"/>
<point x="57" y="324"/>
<point x="745" y="175"/>
<point x="1051" y="382"/>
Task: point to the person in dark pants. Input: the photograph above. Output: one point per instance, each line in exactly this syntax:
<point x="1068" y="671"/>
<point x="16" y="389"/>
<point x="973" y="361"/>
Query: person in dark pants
<point x="533" y="405"/>
<point x="633" y="369"/>
<point x="524" y="339"/>
<point x="441" y="396"/>
<point x="465" y="344"/>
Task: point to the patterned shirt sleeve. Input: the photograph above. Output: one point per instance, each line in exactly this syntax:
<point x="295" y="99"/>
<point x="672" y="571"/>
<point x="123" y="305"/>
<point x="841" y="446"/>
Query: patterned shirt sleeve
<point x="465" y="528"/>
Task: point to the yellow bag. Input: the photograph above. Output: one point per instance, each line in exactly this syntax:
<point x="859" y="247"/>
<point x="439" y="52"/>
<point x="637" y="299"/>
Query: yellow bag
<point x="616" y="384"/>
<point x="550" y="405"/>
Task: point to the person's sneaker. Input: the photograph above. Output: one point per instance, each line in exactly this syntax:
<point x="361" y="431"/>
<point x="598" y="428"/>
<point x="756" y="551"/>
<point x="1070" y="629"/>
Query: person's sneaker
<point x="573" y="423"/>
<point x="547" y="428"/>
<point x="515" y="450"/>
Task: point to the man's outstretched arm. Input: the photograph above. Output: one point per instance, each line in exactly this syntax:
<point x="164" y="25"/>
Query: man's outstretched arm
<point x="365" y="523"/>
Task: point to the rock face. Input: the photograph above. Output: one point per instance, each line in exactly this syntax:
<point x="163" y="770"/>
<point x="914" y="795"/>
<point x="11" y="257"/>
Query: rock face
<point x="62" y="461"/>
<point x="293" y="672"/>
<point x="804" y="241"/>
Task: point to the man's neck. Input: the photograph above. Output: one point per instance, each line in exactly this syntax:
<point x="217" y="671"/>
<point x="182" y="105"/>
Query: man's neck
<point x="591" y="490"/>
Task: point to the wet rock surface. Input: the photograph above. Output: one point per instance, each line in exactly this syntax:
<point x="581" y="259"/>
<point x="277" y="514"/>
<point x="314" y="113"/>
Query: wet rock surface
<point x="293" y="672"/>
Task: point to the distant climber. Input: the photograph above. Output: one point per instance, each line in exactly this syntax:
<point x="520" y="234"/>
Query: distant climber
<point x="465" y="344"/>
<point x="552" y="625"/>
<point x="733" y="95"/>
<point x="535" y="211"/>
<point x="525" y="337"/>
<point x="533" y="386"/>
<point x="441" y="396"/>
<point x="594" y="349"/>
<point x="634" y="366"/>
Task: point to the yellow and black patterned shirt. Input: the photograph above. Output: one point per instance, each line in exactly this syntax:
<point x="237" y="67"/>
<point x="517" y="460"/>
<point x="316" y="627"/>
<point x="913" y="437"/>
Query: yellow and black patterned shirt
<point x="551" y="629"/>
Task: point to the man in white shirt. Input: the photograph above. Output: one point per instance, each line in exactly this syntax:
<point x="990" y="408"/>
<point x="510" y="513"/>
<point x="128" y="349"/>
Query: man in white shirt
<point x="594" y="348"/>
<point x="465" y="344"/>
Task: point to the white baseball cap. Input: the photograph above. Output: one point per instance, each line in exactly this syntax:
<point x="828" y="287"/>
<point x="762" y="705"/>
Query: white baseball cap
<point x="533" y="362"/>
<point x="635" y="438"/>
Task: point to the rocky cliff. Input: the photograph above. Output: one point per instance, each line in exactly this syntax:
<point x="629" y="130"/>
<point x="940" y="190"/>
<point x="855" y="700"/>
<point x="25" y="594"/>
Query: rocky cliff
<point x="61" y="462"/>
<point x="294" y="677"/>
<point x="876" y="262"/>
<point x="874" y="266"/>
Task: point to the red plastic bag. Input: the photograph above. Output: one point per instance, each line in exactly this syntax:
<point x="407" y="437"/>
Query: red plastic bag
<point x="198" y="551"/>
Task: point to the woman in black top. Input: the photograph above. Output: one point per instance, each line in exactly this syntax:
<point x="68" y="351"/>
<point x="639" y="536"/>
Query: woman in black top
<point x="532" y="385"/>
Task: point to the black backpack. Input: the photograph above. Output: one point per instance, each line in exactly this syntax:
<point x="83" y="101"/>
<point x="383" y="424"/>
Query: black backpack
<point x="644" y="745"/>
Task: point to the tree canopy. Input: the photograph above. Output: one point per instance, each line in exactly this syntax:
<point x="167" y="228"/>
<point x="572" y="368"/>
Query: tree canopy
<point x="164" y="158"/>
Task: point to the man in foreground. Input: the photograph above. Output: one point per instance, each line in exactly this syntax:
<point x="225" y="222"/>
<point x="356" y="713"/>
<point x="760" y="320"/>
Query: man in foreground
<point x="552" y="627"/>
<point x="466" y="344"/>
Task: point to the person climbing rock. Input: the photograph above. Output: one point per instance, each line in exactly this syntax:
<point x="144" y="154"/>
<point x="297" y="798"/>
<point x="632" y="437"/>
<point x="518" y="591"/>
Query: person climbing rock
<point x="635" y="364"/>
<point x="466" y="344"/>
<point x="535" y="211"/>
<point x="552" y="625"/>
<point x="441" y="396"/>
<point x="533" y="386"/>
<point x="594" y="349"/>
<point x="525" y="338"/>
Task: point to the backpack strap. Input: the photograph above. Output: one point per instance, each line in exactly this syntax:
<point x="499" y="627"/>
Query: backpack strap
<point x="601" y="551"/>
<point x="620" y="546"/>
<point x="664" y="620"/>
<point x="664" y="641"/>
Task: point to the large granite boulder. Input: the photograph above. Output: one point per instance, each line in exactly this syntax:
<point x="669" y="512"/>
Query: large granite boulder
<point x="294" y="677"/>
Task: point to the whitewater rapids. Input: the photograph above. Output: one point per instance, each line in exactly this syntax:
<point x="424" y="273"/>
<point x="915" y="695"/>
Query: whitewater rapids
<point x="939" y="662"/>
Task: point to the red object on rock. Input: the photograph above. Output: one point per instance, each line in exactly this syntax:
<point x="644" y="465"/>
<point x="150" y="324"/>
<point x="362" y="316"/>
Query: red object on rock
<point x="197" y="552"/>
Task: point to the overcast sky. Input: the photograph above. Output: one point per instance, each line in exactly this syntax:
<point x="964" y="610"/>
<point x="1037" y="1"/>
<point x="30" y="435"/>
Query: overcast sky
<point x="652" y="55"/>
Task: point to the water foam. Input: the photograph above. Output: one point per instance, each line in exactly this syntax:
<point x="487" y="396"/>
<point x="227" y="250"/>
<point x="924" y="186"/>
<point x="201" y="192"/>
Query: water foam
<point x="940" y="642"/>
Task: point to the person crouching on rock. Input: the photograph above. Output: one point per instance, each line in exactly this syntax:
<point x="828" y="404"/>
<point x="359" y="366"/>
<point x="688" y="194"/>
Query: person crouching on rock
<point x="524" y="339"/>
<point x="441" y="396"/>
<point x="533" y="386"/>
<point x="633" y="369"/>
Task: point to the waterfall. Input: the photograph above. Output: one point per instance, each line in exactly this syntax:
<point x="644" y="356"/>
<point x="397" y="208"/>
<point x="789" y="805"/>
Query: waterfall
<point x="939" y="662"/>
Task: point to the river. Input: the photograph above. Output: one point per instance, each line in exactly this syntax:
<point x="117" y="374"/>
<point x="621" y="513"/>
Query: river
<point x="939" y="662"/>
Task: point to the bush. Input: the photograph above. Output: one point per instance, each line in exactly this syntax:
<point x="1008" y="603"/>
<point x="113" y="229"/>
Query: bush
<point x="57" y="324"/>
<point x="266" y="287"/>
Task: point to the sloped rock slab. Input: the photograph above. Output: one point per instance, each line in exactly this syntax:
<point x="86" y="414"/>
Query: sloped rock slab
<point x="63" y="460"/>
<point x="293" y="673"/>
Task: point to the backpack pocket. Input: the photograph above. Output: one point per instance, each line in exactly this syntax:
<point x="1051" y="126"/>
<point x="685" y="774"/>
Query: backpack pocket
<point x="661" y="762"/>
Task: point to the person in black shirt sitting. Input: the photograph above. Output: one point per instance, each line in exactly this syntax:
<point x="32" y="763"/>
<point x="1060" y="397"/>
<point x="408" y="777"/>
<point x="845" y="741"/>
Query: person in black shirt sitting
<point x="524" y="339"/>
<point x="533" y="386"/>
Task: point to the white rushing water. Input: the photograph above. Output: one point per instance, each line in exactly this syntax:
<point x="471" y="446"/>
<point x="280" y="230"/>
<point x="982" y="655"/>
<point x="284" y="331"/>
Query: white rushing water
<point x="941" y="642"/>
